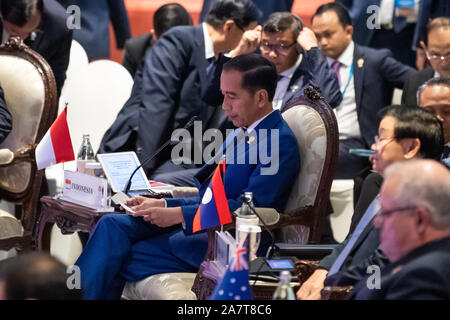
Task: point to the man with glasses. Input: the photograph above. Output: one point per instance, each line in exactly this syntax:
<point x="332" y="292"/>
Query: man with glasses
<point x="367" y="78"/>
<point x="170" y="87"/>
<point x="414" y="223"/>
<point x="404" y="134"/>
<point x="437" y="50"/>
<point x="294" y="51"/>
<point x="434" y="97"/>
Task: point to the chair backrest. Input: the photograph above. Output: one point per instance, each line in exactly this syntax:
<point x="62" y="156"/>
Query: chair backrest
<point x="95" y="95"/>
<point x="314" y="124"/>
<point x="31" y="96"/>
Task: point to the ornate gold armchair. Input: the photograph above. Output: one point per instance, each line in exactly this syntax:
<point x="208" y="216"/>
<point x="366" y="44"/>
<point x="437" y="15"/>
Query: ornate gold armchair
<point x="31" y="97"/>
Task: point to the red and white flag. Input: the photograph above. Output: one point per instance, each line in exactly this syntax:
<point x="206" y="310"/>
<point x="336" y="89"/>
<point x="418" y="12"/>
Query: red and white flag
<point x="56" y="146"/>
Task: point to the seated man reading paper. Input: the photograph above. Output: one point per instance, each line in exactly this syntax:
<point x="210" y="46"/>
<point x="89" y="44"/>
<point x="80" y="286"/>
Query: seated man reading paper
<point x="158" y="237"/>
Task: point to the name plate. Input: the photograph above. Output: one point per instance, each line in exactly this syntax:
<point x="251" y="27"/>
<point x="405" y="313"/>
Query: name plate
<point x="86" y="190"/>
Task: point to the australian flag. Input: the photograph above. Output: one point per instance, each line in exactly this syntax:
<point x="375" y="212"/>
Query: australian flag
<point x="235" y="283"/>
<point x="214" y="210"/>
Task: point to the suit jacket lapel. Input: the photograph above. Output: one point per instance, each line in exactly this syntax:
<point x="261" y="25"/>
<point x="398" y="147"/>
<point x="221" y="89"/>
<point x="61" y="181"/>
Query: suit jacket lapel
<point x="358" y="69"/>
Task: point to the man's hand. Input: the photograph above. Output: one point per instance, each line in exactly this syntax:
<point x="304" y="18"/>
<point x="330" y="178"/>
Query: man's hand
<point x="310" y="290"/>
<point x="249" y="42"/>
<point x="307" y="39"/>
<point x="162" y="217"/>
<point x="140" y="203"/>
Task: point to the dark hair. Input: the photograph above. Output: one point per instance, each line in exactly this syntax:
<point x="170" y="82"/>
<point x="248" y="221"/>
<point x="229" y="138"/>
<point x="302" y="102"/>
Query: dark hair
<point x="415" y="122"/>
<point x="170" y="15"/>
<point x="18" y="12"/>
<point x="257" y="72"/>
<point x="432" y="82"/>
<point x="36" y="275"/>
<point x="440" y="22"/>
<point x="242" y="12"/>
<point x="282" y="21"/>
<point x="340" y="10"/>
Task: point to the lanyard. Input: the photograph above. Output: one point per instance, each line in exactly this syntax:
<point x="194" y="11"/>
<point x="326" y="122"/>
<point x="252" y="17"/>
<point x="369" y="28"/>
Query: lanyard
<point x="348" y="80"/>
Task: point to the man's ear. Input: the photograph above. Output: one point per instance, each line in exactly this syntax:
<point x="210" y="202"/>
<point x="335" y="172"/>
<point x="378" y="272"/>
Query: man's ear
<point x="411" y="147"/>
<point x="262" y="97"/>
<point x="349" y="30"/>
<point x="227" y="26"/>
<point x="422" y="44"/>
<point x="423" y="221"/>
<point x="153" y="33"/>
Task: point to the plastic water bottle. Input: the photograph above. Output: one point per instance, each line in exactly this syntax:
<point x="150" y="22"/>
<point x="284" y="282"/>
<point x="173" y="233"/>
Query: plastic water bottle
<point x="284" y="291"/>
<point x="85" y="154"/>
<point x="247" y="224"/>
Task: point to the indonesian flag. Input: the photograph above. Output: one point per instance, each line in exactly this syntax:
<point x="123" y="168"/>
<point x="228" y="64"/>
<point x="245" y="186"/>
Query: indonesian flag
<point x="56" y="146"/>
<point x="213" y="210"/>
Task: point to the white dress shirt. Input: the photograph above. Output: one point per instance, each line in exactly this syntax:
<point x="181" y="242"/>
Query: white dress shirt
<point x="283" y="83"/>
<point x="346" y="114"/>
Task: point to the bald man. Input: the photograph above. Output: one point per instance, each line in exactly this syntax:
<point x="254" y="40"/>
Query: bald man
<point x="414" y="222"/>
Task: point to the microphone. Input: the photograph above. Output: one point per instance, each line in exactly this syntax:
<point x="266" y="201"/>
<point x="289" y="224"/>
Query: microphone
<point x="151" y="157"/>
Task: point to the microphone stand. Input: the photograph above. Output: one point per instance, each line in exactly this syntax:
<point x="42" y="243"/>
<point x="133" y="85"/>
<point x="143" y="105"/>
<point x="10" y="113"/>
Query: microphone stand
<point x="147" y="160"/>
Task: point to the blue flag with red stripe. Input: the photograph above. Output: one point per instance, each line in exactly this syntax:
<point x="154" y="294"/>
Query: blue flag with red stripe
<point x="213" y="210"/>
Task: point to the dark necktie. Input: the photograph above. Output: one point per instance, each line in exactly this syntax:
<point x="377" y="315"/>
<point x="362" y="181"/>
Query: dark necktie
<point x="336" y="65"/>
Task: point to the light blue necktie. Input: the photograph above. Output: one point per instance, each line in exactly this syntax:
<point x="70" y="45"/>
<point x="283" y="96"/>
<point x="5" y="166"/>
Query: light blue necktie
<point x="365" y="220"/>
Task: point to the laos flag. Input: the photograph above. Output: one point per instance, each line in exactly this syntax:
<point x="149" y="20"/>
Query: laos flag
<point x="213" y="210"/>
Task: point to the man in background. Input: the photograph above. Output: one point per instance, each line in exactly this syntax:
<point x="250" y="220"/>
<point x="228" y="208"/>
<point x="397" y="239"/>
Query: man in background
<point x="434" y="96"/>
<point x="41" y="24"/>
<point x="95" y="17"/>
<point x="437" y="50"/>
<point x="414" y="222"/>
<point x="166" y="17"/>
<point x="366" y="76"/>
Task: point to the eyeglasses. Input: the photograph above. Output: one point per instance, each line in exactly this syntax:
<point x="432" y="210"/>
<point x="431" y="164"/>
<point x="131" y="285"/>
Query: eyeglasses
<point x="437" y="57"/>
<point x="378" y="140"/>
<point x="280" y="48"/>
<point x="386" y="213"/>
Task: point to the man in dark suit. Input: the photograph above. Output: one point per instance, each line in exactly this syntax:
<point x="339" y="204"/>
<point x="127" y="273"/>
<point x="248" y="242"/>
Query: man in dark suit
<point x="404" y="134"/>
<point x="43" y="28"/>
<point x="5" y="118"/>
<point x="94" y="32"/>
<point x="166" y="17"/>
<point x="367" y="77"/>
<point x="267" y="7"/>
<point x="294" y="51"/>
<point x="378" y="24"/>
<point x="434" y="96"/>
<point x="437" y="49"/>
<point x="173" y="82"/>
<point x="159" y="236"/>
<point x="414" y="224"/>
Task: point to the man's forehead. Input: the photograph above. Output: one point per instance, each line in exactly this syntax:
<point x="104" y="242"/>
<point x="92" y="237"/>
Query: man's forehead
<point x="285" y="35"/>
<point x="437" y="95"/>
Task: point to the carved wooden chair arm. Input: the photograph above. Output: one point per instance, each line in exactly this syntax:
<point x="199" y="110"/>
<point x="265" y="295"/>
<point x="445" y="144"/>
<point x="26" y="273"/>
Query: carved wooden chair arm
<point x="335" y="293"/>
<point x="26" y="153"/>
<point x="305" y="268"/>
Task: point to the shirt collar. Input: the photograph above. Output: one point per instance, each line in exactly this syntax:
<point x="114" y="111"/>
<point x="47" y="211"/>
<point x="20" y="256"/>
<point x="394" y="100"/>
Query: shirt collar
<point x="346" y="57"/>
<point x="290" y="72"/>
<point x="209" y="48"/>
<point x="254" y="124"/>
